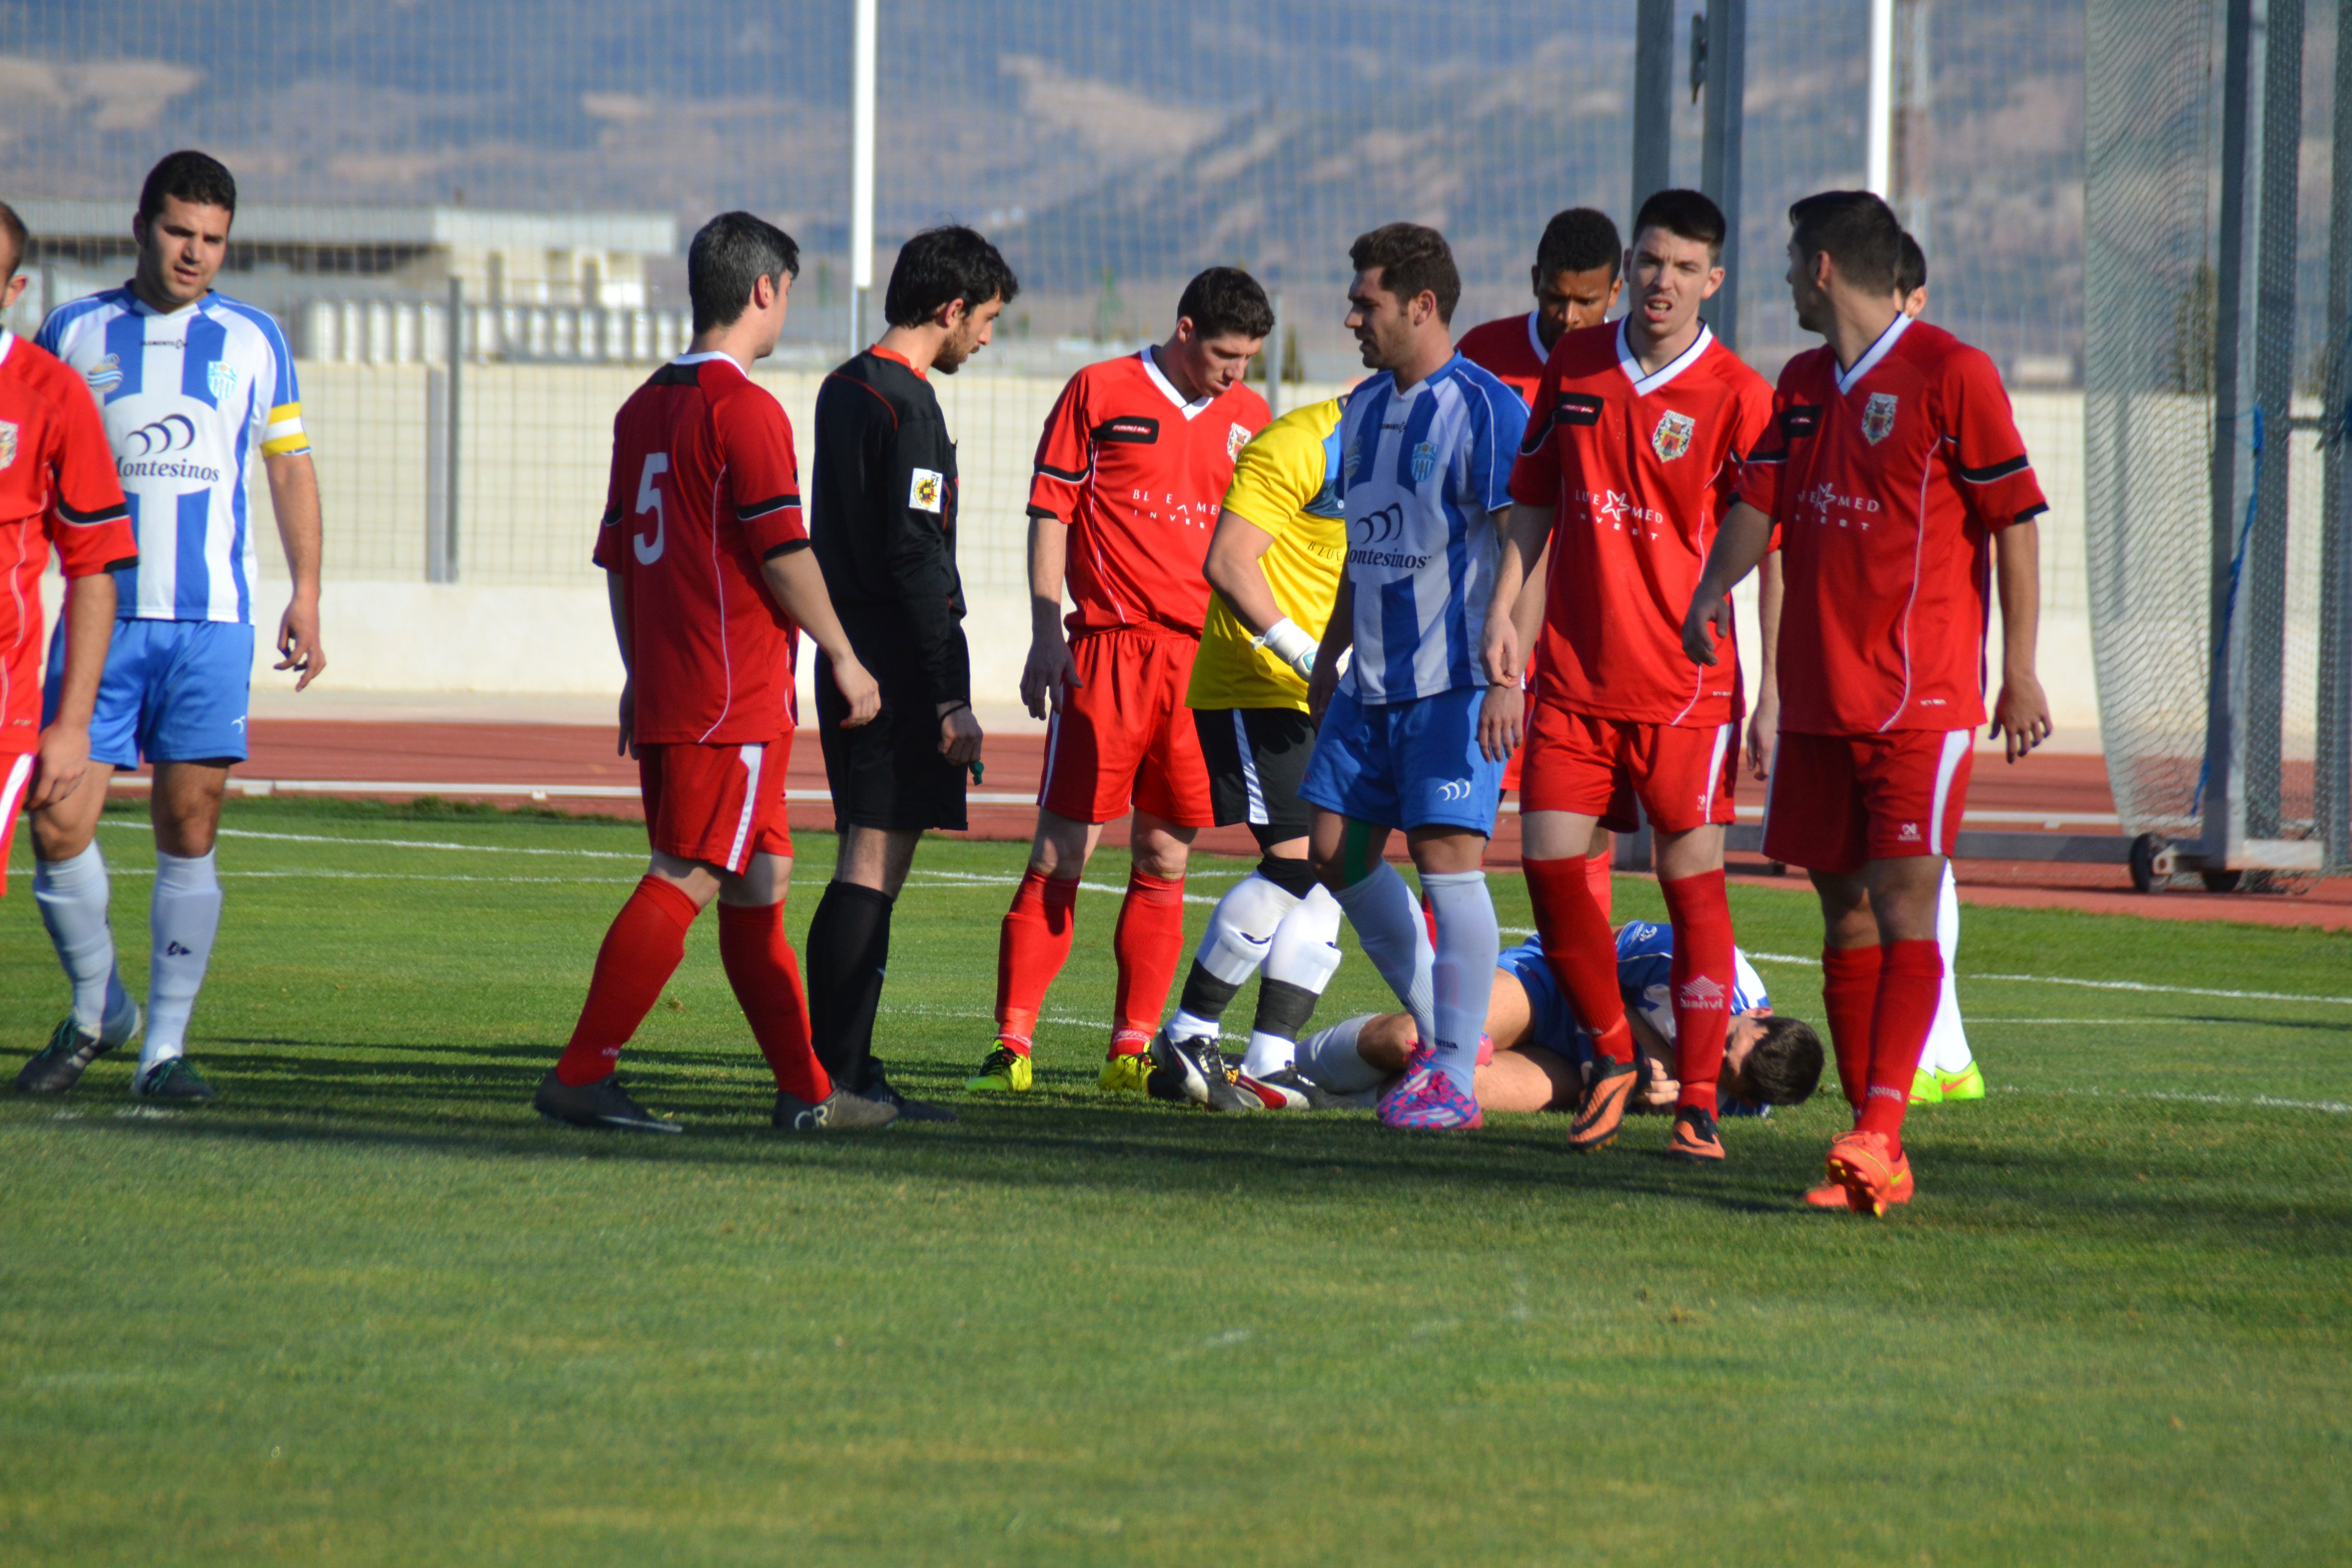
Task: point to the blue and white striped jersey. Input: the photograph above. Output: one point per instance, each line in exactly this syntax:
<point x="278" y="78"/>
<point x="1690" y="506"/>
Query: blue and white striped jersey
<point x="1422" y="473"/>
<point x="1645" y="959"/>
<point x="185" y="397"/>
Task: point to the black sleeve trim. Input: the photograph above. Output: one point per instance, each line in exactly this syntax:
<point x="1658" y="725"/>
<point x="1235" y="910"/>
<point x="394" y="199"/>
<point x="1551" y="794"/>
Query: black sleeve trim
<point x="1066" y="475"/>
<point x="2030" y="514"/>
<point x="760" y="509"/>
<point x="1048" y="513"/>
<point x="786" y="548"/>
<point x="125" y="564"/>
<point x="609" y="520"/>
<point x="1761" y="457"/>
<point x="1986" y="475"/>
<point x="118" y="512"/>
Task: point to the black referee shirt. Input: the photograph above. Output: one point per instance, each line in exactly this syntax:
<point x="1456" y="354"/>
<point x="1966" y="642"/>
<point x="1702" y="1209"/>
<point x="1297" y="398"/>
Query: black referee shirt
<point x="882" y="520"/>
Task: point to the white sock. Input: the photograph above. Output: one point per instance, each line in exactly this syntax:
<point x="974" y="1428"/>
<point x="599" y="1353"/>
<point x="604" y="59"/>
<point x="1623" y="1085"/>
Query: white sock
<point x="1388" y="925"/>
<point x="1948" y="1042"/>
<point x="184" y="916"/>
<point x="1329" y="1057"/>
<point x="1303" y="955"/>
<point x="1241" y="927"/>
<point x="72" y="897"/>
<point x="1468" y="942"/>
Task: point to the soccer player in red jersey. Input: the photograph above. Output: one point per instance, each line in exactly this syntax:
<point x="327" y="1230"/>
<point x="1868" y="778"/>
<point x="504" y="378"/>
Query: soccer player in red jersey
<point x="56" y="489"/>
<point x="1131" y="472"/>
<point x="711" y="578"/>
<point x="1896" y="486"/>
<point x="1577" y="280"/>
<point x="1631" y="458"/>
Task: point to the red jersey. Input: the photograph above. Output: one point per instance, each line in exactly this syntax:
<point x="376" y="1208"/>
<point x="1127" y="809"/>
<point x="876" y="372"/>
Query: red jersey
<point x="56" y="487"/>
<point x="1510" y="350"/>
<point x="1886" y="484"/>
<point x="704" y="489"/>
<point x="1139" y="474"/>
<point x="1639" y="469"/>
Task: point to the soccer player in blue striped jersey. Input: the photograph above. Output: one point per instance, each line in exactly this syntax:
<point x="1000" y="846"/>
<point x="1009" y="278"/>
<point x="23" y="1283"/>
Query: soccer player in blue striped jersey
<point x="192" y="386"/>
<point x="1425" y="454"/>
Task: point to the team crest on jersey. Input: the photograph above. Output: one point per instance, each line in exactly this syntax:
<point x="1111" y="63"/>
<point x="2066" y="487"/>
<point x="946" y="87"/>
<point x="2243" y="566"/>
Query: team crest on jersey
<point x="1425" y="463"/>
<point x="7" y="442"/>
<point x="1878" y="418"/>
<point x="1672" y="438"/>
<point x="106" y="374"/>
<point x="220" y="379"/>
<point x="1236" y="438"/>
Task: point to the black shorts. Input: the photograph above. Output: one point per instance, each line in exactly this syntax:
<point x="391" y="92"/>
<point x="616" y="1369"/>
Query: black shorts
<point x="1257" y="759"/>
<point x="888" y="773"/>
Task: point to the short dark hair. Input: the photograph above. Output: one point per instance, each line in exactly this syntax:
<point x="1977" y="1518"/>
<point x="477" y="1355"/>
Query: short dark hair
<point x="12" y="228"/>
<point x="1579" y="240"/>
<point x="1857" y="230"/>
<point x="941" y="266"/>
<point x="1785" y="1068"/>
<point x="727" y="258"/>
<point x="1686" y="214"/>
<point x="1410" y="258"/>
<point x="188" y="176"/>
<point x="1911" y="272"/>
<point x="1225" y="302"/>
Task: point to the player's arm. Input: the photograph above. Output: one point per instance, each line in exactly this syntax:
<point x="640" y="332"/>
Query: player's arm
<point x="1338" y="636"/>
<point x="1740" y="545"/>
<point x="294" y="498"/>
<point x="1234" y="569"/>
<point x="1764" y="723"/>
<point x="1503" y="711"/>
<point x="2022" y="712"/>
<point x="1050" y="670"/>
<point x="923" y="576"/>
<point x="616" y="597"/>
<point x="797" y="585"/>
<point x="64" y="752"/>
<point x="1523" y="530"/>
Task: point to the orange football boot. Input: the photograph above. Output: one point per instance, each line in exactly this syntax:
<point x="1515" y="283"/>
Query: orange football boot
<point x="1603" y="1110"/>
<point x="1831" y="1195"/>
<point x="1695" y="1140"/>
<point x="1859" y="1162"/>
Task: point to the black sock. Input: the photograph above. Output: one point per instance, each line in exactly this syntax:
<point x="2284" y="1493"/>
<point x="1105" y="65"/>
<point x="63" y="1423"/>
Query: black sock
<point x="848" y="949"/>
<point x="1283" y="1009"/>
<point x="1205" y="996"/>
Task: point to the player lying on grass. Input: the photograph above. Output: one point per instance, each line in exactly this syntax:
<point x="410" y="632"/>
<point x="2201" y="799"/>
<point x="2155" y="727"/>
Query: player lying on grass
<point x="1542" y="1054"/>
<point x="711" y="581"/>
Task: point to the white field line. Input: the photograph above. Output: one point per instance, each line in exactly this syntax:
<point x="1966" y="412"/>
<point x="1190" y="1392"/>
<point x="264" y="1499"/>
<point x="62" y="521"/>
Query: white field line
<point x="2260" y="1101"/>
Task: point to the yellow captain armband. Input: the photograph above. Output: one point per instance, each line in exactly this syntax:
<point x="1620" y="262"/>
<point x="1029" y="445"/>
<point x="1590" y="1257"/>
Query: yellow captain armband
<point x="284" y="435"/>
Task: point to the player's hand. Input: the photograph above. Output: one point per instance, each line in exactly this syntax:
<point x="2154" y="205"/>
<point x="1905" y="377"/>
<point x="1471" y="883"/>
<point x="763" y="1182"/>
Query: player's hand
<point x="628" y="746"/>
<point x="1661" y="1094"/>
<point x="1704" y="624"/>
<point x="959" y="736"/>
<point x="1763" y="734"/>
<point x="859" y="690"/>
<point x="1501" y="652"/>
<point x="1500" y="726"/>
<point x="1047" y="676"/>
<point x="1321" y="686"/>
<point x="58" y="764"/>
<point x="2022" y="713"/>
<point x="297" y="641"/>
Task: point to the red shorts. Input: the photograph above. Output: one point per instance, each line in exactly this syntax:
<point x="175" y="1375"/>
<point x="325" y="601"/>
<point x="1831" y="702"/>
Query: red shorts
<point x="19" y="779"/>
<point x="718" y="804"/>
<point x="1599" y="767"/>
<point x="1836" y="801"/>
<point x="1125" y="737"/>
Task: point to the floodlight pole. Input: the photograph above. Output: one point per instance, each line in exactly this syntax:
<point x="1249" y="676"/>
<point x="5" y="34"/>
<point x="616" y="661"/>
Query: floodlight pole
<point x="1881" y="176"/>
<point x="861" y="172"/>
<point x="2332" y="783"/>
<point x="1727" y="92"/>
<point x="1654" y="93"/>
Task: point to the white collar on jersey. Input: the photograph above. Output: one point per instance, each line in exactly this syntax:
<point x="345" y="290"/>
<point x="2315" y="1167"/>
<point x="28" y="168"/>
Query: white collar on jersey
<point x="1645" y="385"/>
<point x="1878" y="351"/>
<point x="1168" y="389"/>
<point x="706" y="356"/>
<point x="1535" y="338"/>
<point x="7" y="341"/>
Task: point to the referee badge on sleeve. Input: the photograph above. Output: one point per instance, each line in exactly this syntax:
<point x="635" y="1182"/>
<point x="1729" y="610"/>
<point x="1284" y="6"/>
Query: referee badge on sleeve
<point x="923" y="490"/>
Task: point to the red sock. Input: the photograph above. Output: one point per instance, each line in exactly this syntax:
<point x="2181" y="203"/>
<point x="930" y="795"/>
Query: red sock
<point x="1031" y="949"/>
<point x="641" y="951"/>
<point x="1702" y="978"/>
<point x="1583" y="954"/>
<point x="1850" y="996"/>
<point x="1429" y="920"/>
<point x="767" y="981"/>
<point x="1600" y="875"/>
<point x="1910" y="985"/>
<point x="1148" y="944"/>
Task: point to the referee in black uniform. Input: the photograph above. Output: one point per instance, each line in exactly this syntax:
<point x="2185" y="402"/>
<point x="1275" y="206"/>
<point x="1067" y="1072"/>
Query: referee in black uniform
<point x="883" y="523"/>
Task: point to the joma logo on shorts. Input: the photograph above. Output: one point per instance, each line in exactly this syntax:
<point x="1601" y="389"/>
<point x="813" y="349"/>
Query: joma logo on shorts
<point x="1454" y="789"/>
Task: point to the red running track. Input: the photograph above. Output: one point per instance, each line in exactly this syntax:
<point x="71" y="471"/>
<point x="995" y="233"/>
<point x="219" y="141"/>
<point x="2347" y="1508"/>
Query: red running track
<point x="378" y="757"/>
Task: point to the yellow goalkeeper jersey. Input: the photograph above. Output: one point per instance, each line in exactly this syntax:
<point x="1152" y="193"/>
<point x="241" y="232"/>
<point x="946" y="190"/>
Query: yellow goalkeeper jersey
<point x="1283" y="483"/>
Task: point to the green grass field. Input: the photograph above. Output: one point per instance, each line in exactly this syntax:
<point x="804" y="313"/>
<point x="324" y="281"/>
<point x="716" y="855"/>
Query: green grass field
<point x="368" y="1308"/>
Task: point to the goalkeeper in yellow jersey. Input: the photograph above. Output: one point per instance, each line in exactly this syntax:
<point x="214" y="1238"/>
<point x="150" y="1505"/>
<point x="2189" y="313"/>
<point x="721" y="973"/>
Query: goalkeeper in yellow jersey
<point x="1274" y="562"/>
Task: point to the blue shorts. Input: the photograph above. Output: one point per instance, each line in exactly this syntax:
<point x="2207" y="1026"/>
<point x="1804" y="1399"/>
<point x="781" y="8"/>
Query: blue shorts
<point x="173" y="691"/>
<point x="1405" y="764"/>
